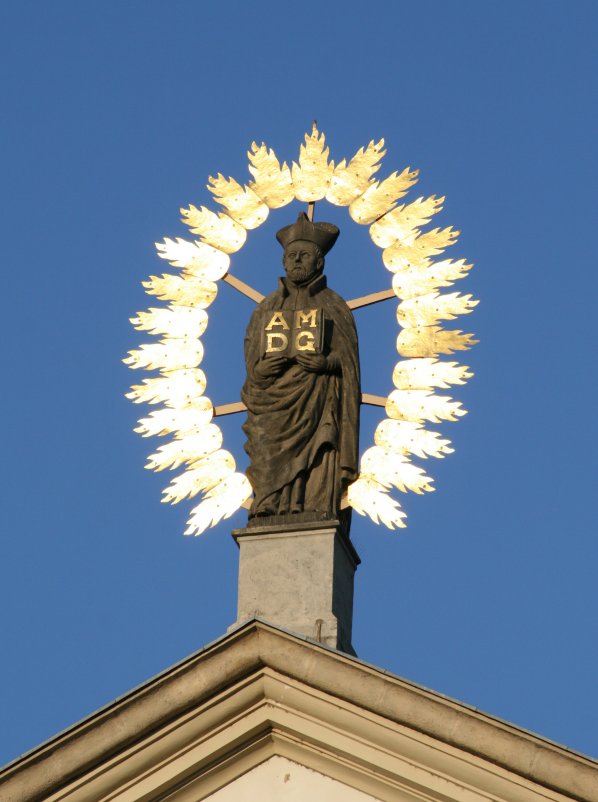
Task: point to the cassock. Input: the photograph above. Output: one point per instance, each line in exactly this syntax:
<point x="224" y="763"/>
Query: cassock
<point x="301" y="422"/>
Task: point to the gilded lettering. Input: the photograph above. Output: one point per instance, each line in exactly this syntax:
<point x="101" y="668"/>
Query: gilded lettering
<point x="276" y="337"/>
<point x="304" y="341"/>
<point x="277" y="319"/>
<point x="308" y="318"/>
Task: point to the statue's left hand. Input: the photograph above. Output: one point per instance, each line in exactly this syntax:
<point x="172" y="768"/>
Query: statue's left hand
<point x="314" y="363"/>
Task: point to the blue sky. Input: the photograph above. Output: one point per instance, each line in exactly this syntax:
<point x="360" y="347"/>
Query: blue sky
<point x="115" y="115"/>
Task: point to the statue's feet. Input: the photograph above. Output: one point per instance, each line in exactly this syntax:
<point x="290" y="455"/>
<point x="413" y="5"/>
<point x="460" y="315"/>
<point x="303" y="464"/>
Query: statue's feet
<point x="264" y="512"/>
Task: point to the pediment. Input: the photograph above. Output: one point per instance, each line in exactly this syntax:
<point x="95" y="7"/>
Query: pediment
<point x="279" y="779"/>
<point x="228" y="715"/>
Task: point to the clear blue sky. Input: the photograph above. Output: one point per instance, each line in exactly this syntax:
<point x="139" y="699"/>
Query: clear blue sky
<point x="115" y="114"/>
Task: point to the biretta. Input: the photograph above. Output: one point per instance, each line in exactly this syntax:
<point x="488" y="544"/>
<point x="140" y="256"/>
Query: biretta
<point x="322" y="234"/>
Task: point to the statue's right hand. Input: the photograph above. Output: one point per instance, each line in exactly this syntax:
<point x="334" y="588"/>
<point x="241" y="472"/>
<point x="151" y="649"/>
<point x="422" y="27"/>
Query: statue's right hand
<point x="271" y="366"/>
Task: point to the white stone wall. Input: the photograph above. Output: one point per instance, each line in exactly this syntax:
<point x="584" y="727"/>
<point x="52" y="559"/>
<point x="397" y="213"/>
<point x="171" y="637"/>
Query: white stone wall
<point x="281" y="780"/>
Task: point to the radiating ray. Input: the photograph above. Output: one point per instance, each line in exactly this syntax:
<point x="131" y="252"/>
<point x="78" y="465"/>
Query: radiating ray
<point x="380" y="197"/>
<point x="197" y="258"/>
<point x="191" y="419"/>
<point x="272" y="183"/>
<point x="369" y="497"/>
<point x="426" y="341"/>
<point x="349" y="181"/>
<point x="177" y="388"/>
<point x="220" y="502"/>
<point x="427" y="373"/>
<point x="393" y="469"/>
<point x="426" y="310"/>
<point x="408" y="437"/>
<point x="312" y="175"/>
<point x="186" y="449"/>
<point x="411" y="281"/>
<point x="182" y="291"/>
<point x="418" y="253"/>
<point x="403" y="223"/>
<point x="168" y="354"/>
<point x="218" y="230"/>
<point x="202" y="475"/>
<point x="174" y="321"/>
<point x="420" y="405"/>
<point x="241" y="203"/>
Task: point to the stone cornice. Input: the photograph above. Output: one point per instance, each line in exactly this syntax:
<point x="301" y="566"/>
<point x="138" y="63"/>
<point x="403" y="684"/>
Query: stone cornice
<point x="239" y="664"/>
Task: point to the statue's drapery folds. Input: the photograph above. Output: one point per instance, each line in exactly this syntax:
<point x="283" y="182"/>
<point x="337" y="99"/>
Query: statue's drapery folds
<point x="303" y="416"/>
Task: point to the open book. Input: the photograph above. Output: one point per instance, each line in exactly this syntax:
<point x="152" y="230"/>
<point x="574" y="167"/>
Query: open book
<point x="289" y="331"/>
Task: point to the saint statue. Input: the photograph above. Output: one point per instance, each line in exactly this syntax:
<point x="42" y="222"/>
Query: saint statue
<point x="302" y="390"/>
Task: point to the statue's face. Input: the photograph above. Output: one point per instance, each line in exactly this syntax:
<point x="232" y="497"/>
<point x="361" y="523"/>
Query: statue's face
<point x="301" y="261"/>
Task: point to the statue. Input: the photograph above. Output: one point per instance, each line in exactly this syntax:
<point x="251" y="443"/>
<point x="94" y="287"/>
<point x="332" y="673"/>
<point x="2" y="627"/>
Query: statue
<point x="302" y="389"/>
<point x="302" y="386"/>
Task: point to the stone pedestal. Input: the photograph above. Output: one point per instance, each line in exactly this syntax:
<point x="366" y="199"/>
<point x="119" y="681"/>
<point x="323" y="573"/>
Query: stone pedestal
<point x="299" y="576"/>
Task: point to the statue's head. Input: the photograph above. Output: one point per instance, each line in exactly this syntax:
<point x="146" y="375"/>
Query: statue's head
<point x="305" y="246"/>
<point x="302" y="261"/>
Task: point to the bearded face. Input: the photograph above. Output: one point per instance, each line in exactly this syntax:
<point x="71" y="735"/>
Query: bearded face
<point x="302" y="260"/>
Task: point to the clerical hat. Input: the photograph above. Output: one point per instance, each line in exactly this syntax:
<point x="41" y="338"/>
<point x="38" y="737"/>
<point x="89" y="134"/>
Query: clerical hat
<point x="322" y="234"/>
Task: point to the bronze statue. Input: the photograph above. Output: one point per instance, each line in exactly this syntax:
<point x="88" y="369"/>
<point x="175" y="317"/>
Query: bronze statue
<point x="302" y="384"/>
<point x="302" y="389"/>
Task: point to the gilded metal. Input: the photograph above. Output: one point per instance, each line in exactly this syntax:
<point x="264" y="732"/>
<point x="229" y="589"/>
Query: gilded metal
<point x="190" y="419"/>
<point x="350" y="181"/>
<point x="426" y="341"/>
<point x="380" y="197"/>
<point x="312" y="175"/>
<point x="174" y="321"/>
<point x="241" y="203"/>
<point x="427" y="373"/>
<point x="421" y="280"/>
<point x="271" y="182"/>
<point x="409" y="437"/>
<point x="187" y="449"/>
<point x="175" y="388"/>
<point x="369" y="497"/>
<point x="218" y="503"/>
<point x="392" y="469"/>
<point x="403" y="223"/>
<point x="418" y="253"/>
<point x="203" y="474"/>
<point x="169" y="354"/>
<point x="182" y="291"/>
<point x="421" y="405"/>
<point x="197" y="258"/>
<point x="409" y="252"/>
<point x="426" y="310"/>
<point x="218" y="230"/>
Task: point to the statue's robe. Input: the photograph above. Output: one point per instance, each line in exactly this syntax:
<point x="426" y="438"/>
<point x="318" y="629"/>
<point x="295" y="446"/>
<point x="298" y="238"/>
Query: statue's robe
<point x="302" y="422"/>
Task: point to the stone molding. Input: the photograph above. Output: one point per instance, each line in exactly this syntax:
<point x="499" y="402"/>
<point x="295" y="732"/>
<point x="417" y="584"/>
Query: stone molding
<point x="261" y="691"/>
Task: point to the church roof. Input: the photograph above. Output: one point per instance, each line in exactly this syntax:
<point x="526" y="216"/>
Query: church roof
<point x="260" y="692"/>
